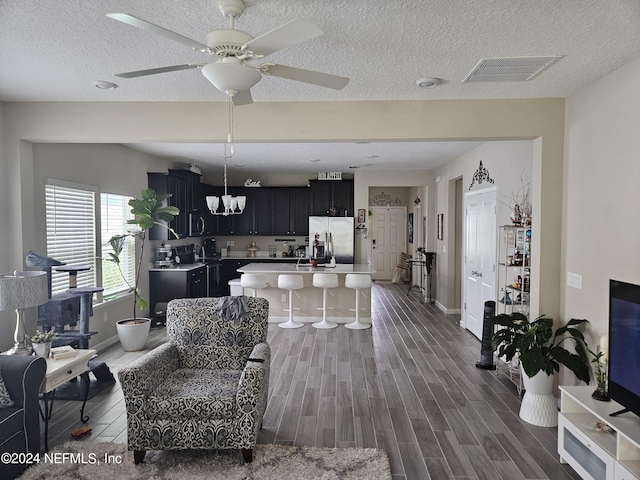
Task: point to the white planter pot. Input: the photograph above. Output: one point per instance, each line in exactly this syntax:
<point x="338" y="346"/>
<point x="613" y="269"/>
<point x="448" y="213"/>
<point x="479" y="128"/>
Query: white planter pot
<point x="42" y="349"/>
<point x="539" y="406"/>
<point x="133" y="333"/>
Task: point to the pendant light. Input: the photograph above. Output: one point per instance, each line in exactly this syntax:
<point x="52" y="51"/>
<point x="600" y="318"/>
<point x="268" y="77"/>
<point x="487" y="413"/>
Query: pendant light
<point x="231" y="205"/>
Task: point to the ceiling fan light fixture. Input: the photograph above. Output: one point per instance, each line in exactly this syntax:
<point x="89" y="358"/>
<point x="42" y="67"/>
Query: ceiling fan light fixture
<point x="104" y="85"/>
<point x="230" y="73"/>
<point x="427" y="82"/>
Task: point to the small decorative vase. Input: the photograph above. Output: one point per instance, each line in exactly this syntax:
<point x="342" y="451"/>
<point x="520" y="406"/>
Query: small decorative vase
<point x="314" y="262"/>
<point x="42" y="349"/>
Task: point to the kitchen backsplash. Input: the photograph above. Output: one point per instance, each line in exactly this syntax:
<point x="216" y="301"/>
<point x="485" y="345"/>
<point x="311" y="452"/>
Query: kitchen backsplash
<point x="241" y="243"/>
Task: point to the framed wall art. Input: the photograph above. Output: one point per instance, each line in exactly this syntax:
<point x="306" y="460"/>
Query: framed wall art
<point x="441" y="226"/>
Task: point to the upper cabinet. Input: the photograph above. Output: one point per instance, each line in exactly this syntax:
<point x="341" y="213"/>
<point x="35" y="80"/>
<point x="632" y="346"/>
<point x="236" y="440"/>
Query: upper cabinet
<point x="186" y="195"/>
<point x="290" y="211"/>
<point x="256" y="219"/>
<point x="328" y="194"/>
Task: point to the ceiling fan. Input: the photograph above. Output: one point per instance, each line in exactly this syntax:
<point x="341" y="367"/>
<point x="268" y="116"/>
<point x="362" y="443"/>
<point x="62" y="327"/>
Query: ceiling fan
<point x="233" y="73"/>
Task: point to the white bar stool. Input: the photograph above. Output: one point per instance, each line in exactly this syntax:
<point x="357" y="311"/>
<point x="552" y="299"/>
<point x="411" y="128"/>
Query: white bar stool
<point x="325" y="281"/>
<point x="291" y="283"/>
<point x="255" y="281"/>
<point x="358" y="282"/>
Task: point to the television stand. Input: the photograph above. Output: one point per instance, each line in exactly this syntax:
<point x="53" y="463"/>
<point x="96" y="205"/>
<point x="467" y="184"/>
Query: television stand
<point x="592" y="451"/>
<point x="619" y="412"/>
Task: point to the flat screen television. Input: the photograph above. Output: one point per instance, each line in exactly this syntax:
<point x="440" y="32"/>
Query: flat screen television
<point x="624" y="345"/>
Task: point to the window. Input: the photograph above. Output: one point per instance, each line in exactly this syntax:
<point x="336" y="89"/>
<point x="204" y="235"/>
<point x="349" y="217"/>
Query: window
<point x="70" y="217"/>
<point x="114" y="214"/>
<point x="73" y="227"/>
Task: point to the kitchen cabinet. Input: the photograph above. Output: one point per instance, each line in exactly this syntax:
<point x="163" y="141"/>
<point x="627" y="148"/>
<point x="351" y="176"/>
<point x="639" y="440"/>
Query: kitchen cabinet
<point x="256" y="219"/>
<point x="325" y="194"/>
<point x="184" y="282"/>
<point x="186" y="195"/>
<point x="290" y="211"/>
<point x="163" y="183"/>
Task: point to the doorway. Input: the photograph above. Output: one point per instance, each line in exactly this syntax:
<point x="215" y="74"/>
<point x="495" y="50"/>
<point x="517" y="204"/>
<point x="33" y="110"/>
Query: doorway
<point x="387" y="233"/>
<point x="479" y="262"/>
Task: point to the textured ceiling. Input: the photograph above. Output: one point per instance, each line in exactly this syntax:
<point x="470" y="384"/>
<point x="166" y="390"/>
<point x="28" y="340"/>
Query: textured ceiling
<point x="55" y="51"/>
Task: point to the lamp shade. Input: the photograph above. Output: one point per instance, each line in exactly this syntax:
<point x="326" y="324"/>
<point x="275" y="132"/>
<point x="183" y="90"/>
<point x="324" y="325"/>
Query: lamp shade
<point x="23" y="290"/>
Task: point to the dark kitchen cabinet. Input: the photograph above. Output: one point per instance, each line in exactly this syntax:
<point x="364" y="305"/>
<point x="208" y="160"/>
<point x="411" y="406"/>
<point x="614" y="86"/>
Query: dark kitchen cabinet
<point x="325" y="194"/>
<point x="167" y="284"/>
<point x="290" y="211"/>
<point x="256" y="219"/>
<point x="163" y="183"/>
<point x="228" y="271"/>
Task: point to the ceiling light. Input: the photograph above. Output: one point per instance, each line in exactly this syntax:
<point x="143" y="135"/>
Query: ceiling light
<point x="315" y="160"/>
<point x="371" y="156"/>
<point x="103" y="85"/>
<point x="427" y="82"/>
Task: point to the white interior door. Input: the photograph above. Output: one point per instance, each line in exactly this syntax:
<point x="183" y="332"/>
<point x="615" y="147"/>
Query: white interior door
<point x="387" y="239"/>
<point x="479" y="256"/>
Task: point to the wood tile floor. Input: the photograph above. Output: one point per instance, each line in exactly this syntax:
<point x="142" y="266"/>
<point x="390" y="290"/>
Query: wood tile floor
<point x="409" y="386"/>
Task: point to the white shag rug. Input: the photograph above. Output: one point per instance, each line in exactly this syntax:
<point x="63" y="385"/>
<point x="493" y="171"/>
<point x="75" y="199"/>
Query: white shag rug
<point x="109" y="461"/>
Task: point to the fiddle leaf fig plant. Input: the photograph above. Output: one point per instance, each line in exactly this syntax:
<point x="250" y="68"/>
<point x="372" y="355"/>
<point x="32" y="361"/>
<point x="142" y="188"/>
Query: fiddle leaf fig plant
<point x="538" y="346"/>
<point x="148" y="211"/>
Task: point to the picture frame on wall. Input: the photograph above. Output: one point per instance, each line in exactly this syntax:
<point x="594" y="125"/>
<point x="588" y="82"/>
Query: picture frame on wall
<point x="441" y="226"/>
<point x="411" y="228"/>
<point x="361" y="215"/>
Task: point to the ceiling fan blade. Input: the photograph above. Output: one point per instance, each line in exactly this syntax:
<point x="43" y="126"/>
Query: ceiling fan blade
<point x="296" y="31"/>
<point x="153" y="71"/>
<point x="150" y="27"/>
<point x="242" y="98"/>
<point x="306" y="76"/>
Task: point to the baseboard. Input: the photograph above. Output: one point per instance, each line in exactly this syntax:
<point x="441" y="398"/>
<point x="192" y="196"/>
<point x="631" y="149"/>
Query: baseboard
<point x="106" y="343"/>
<point x="448" y="311"/>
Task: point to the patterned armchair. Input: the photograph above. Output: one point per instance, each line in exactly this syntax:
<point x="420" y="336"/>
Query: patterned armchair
<point x="207" y="387"/>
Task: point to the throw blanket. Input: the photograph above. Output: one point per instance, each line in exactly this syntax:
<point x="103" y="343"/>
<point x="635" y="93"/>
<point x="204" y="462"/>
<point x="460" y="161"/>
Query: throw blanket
<point x="233" y="308"/>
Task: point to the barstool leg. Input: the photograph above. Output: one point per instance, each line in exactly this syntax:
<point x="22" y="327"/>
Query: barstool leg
<point x="358" y="325"/>
<point x="324" y="323"/>
<point x="291" y="323"/>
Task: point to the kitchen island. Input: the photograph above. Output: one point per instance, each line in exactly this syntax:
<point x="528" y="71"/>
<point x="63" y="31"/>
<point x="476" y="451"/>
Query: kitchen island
<point x="310" y="297"/>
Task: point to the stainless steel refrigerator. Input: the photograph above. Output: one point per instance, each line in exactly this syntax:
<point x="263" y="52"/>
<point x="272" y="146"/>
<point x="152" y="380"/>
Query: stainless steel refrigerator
<point x="336" y="238"/>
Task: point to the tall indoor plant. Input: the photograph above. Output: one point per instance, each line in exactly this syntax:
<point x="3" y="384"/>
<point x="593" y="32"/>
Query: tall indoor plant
<point x="147" y="211"/>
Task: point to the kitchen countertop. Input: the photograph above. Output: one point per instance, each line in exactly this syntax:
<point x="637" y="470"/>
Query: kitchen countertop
<point x="179" y="267"/>
<point x="274" y="267"/>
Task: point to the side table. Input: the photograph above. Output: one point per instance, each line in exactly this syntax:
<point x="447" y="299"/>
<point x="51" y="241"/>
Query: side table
<point x="59" y="372"/>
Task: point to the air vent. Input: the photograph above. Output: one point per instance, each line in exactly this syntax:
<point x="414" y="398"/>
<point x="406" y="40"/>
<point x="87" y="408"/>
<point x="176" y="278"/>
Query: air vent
<point x="508" y="69"/>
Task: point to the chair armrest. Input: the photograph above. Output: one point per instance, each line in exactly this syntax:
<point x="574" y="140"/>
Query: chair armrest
<point x="22" y="376"/>
<point x="145" y="374"/>
<point x="254" y="381"/>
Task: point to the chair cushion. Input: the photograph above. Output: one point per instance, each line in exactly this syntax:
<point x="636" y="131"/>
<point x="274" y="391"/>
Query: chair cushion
<point x="5" y="399"/>
<point x="190" y="393"/>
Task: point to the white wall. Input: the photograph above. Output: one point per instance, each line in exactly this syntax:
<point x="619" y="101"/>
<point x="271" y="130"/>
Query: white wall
<point x="601" y="194"/>
<point x="507" y="163"/>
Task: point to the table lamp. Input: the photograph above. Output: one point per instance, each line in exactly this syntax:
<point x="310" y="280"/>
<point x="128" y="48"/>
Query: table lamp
<point x="19" y="291"/>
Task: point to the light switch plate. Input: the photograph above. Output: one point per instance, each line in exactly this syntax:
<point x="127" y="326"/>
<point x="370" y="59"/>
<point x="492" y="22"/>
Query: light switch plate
<point x="574" y="280"/>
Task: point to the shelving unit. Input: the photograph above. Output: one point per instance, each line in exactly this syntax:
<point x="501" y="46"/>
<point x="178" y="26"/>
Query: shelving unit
<point x="593" y="454"/>
<point x="514" y="274"/>
<point x="514" y="269"/>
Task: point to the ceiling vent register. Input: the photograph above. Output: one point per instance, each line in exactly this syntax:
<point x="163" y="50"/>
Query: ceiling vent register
<point x="509" y="69"/>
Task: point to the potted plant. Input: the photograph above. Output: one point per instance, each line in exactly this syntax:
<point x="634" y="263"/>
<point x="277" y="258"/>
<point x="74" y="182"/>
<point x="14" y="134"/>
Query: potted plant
<point x="41" y="343"/>
<point x="148" y="211"/>
<point x="540" y="351"/>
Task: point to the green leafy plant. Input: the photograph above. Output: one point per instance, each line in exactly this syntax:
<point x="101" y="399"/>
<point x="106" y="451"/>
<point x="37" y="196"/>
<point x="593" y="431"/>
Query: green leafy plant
<point x="148" y="211"/>
<point x="44" y="337"/>
<point x="538" y="346"/>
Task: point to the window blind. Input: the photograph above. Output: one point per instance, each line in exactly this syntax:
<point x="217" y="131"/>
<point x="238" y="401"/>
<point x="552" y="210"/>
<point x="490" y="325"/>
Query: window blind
<point x="114" y="214"/>
<point x="71" y="239"/>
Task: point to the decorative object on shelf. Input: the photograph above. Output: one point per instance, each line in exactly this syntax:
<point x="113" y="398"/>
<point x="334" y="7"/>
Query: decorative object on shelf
<point x="19" y="291"/>
<point x="520" y="203"/>
<point x="329" y="175"/>
<point x="41" y="343"/>
<point x="481" y="175"/>
<point x="601" y="361"/>
<point x="252" y="183"/>
<point x="516" y="215"/>
<point x="252" y="249"/>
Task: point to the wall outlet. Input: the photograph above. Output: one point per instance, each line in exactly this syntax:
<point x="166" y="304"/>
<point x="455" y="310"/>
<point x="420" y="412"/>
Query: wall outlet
<point x="233" y="244"/>
<point x="283" y="298"/>
<point x="574" y="280"/>
<point x="228" y="243"/>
